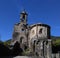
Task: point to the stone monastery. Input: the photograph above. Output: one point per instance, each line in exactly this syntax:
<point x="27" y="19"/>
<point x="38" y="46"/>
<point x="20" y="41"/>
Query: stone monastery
<point x="36" y="37"/>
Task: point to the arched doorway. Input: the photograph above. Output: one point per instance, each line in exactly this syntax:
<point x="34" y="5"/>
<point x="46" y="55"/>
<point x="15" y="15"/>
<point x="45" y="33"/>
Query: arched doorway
<point x="23" y="43"/>
<point x="21" y="40"/>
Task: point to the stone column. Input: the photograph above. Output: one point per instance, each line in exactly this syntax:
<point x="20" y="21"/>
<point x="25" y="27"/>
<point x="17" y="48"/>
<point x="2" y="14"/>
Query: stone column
<point x="45" y="50"/>
<point x="49" y="50"/>
<point x="42" y="49"/>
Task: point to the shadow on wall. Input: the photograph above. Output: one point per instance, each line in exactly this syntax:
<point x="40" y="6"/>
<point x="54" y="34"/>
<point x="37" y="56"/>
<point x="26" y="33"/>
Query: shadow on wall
<point x="5" y="51"/>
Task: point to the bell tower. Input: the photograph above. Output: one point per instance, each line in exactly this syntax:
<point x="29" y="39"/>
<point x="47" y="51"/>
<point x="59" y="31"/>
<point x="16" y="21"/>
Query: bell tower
<point x="23" y="17"/>
<point x="23" y="29"/>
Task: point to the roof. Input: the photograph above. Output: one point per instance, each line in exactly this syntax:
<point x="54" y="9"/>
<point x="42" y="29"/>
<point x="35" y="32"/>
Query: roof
<point x="39" y="24"/>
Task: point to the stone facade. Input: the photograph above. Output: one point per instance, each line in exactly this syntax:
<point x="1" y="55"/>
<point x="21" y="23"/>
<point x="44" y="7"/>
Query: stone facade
<point x="56" y="55"/>
<point x="40" y="42"/>
<point x="36" y="37"/>
<point x="20" y="32"/>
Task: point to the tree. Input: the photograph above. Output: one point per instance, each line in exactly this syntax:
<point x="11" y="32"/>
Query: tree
<point x="17" y="50"/>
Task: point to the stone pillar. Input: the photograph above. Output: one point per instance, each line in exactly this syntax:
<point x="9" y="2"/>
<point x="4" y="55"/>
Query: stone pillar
<point x="57" y="55"/>
<point x="42" y="49"/>
<point x="45" y="50"/>
<point x="39" y="48"/>
<point x="49" y="50"/>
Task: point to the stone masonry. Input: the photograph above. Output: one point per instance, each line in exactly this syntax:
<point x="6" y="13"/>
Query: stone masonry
<point x="36" y="37"/>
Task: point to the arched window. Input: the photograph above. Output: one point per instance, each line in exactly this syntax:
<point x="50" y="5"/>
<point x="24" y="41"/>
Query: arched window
<point x="40" y="31"/>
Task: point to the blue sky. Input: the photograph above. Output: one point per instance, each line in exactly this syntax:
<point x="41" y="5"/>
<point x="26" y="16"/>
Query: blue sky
<point x="44" y="11"/>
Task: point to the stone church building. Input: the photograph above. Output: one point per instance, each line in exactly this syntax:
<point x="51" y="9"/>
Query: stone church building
<point x="36" y="37"/>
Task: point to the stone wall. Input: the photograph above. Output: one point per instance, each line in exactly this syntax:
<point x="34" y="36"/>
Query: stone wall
<point x="56" y="55"/>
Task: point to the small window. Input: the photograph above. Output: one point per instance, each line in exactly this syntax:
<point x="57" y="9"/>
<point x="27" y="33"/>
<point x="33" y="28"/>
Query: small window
<point x="22" y="29"/>
<point x="40" y="31"/>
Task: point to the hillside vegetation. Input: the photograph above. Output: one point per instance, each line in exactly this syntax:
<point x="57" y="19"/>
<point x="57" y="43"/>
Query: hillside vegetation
<point x="7" y="42"/>
<point x="55" y="44"/>
<point x="55" y="41"/>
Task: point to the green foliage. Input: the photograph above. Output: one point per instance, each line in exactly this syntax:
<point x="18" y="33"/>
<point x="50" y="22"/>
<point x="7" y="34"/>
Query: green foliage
<point x="7" y="42"/>
<point x="56" y="42"/>
<point x="26" y="52"/>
